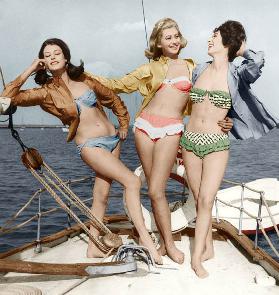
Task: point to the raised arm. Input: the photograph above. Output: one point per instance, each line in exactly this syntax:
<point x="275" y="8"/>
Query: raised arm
<point x="250" y="68"/>
<point x="28" y="97"/>
<point x="129" y="83"/>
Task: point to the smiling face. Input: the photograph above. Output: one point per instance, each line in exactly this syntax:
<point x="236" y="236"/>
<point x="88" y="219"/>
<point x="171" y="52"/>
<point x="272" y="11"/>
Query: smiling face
<point x="170" y="42"/>
<point x="54" y="57"/>
<point x="215" y="44"/>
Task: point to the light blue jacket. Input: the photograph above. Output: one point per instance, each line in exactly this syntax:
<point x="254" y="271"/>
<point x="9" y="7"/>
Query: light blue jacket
<point x="250" y="116"/>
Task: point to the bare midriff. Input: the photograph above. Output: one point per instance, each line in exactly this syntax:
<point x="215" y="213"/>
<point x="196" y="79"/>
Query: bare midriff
<point x="205" y="116"/>
<point x="169" y="101"/>
<point x="93" y="123"/>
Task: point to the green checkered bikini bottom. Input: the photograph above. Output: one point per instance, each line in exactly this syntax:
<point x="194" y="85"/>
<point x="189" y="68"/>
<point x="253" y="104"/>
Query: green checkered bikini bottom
<point x="202" y="144"/>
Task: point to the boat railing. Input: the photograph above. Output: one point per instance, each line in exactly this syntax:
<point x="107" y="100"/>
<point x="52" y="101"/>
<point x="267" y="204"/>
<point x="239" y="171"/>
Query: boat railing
<point x="8" y="228"/>
<point x="258" y="218"/>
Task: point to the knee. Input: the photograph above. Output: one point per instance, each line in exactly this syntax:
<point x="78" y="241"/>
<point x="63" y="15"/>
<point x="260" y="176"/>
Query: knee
<point x="100" y="195"/>
<point x="195" y="196"/>
<point x="133" y="182"/>
<point x="100" y="198"/>
<point x="154" y="193"/>
<point x="205" y="202"/>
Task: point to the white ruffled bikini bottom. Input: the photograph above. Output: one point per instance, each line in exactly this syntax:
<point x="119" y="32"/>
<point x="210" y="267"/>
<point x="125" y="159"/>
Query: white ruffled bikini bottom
<point x="157" y="127"/>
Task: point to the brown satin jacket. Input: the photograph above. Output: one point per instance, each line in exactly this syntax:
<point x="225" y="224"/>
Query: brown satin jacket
<point x="55" y="98"/>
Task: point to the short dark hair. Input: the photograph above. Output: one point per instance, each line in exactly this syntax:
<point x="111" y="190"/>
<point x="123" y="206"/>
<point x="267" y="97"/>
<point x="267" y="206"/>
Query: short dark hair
<point x="233" y="34"/>
<point x="74" y="72"/>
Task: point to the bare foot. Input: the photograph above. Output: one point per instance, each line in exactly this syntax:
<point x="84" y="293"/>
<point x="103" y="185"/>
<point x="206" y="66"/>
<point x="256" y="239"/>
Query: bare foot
<point x="93" y="251"/>
<point x="175" y="254"/>
<point x="152" y="249"/>
<point x="207" y="254"/>
<point x="162" y="249"/>
<point x="199" y="269"/>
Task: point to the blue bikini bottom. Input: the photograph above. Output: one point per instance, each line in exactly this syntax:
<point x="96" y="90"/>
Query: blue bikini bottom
<point x="105" y="142"/>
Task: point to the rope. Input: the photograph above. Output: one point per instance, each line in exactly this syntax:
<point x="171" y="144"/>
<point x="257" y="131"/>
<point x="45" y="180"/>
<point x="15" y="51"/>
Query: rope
<point x="255" y="217"/>
<point x="76" y="284"/>
<point x="236" y="207"/>
<point x="96" y="222"/>
<point x="268" y="239"/>
<point x="68" y="210"/>
<point x="270" y="214"/>
<point x="242" y="184"/>
<point x="9" y="230"/>
<point x="2" y="78"/>
<point x="15" y="134"/>
<point x="13" y="218"/>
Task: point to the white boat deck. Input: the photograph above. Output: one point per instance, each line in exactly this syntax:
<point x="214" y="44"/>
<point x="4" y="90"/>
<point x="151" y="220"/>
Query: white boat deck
<point x="230" y="273"/>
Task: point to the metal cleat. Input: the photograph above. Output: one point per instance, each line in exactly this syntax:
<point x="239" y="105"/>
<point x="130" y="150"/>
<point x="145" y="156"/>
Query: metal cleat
<point x="131" y="251"/>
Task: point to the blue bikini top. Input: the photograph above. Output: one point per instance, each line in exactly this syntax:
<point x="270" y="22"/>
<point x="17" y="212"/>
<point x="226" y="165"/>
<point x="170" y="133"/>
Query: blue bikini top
<point x="88" y="99"/>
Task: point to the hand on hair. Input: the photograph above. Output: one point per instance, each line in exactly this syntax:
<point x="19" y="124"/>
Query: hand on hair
<point x="37" y="64"/>
<point x="241" y="49"/>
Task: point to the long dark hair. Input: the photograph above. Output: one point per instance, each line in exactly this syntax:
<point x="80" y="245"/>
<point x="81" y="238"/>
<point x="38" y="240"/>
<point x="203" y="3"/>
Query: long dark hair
<point x="233" y="34"/>
<point x="74" y="72"/>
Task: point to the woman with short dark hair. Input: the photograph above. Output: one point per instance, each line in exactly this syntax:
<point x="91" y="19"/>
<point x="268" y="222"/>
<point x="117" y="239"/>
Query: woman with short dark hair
<point x="219" y="89"/>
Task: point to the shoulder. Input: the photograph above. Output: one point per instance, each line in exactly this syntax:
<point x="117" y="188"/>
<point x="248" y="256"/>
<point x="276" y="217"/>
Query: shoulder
<point x="47" y="86"/>
<point x="87" y="77"/>
<point x="200" y="67"/>
<point x="144" y="68"/>
<point x="190" y="62"/>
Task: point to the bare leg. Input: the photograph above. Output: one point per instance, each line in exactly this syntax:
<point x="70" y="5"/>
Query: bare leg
<point x="145" y="147"/>
<point x="100" y="200"/>
<point x="193" y="165"/>
<point x="108" y="165"/>
<point x="164" y="155"/>
<point x="209" y="186"/>
<point x="151" y="153"/>
<point x="208" y="252"/>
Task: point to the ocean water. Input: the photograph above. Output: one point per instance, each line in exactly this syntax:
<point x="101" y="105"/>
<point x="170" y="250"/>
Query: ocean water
<point x="249" y="160"/>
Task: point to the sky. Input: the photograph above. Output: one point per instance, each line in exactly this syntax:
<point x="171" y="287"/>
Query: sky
<point x="109" y="37"/>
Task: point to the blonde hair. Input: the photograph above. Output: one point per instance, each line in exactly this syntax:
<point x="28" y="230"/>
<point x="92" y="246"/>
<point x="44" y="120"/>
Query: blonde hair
<point x="154" y="52"/>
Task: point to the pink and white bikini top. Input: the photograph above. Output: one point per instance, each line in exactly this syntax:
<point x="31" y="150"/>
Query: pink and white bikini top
<point x="181" y="83"/>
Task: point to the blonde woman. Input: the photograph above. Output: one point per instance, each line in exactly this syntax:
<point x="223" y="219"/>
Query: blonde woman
<point x="164" y="83"/>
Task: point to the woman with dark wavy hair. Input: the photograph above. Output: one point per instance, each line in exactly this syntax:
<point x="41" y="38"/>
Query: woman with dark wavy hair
<point x="77" y="100"/>
<point x="219" y="89"/>
<point x="41" y="76"/>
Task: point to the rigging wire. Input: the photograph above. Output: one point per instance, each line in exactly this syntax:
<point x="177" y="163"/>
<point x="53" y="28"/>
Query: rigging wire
<point x="144" y="20"/>
<point x="3" y="83"/>
<point x="15" y="134"/>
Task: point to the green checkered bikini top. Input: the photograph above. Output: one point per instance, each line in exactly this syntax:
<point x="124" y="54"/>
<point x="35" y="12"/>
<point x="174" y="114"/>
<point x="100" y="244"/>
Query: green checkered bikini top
<point x="219" y="98"/>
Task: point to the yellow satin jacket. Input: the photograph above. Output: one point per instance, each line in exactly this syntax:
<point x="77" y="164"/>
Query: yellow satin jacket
<point x="146" y="79"/>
